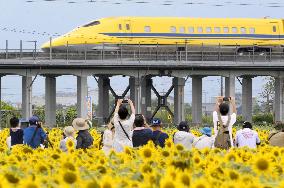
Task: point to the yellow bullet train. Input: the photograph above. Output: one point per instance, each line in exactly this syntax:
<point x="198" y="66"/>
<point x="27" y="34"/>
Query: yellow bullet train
<point x="113" y="32"/>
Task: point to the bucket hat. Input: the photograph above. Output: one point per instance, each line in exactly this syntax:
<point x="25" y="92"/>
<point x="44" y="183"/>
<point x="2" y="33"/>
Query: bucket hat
<point x="80" y="124"/>
<point x="206" y="131"/>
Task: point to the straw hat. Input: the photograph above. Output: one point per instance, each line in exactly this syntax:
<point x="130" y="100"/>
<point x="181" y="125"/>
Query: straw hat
<point x="69" y="131"/>
<point x="80" y="124"/>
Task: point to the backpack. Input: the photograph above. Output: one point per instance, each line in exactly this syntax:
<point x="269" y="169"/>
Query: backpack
<point x="87" y="140"/>
<point x="222" y="139"/>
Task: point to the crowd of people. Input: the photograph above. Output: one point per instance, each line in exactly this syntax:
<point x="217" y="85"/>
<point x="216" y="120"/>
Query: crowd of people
<point x="132" y="130"/>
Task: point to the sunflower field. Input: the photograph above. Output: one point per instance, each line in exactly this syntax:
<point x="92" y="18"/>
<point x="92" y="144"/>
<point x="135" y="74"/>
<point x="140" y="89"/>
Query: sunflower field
<point x="148" y="166"/>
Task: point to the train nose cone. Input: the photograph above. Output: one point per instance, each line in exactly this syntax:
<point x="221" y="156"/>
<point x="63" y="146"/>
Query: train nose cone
<point x="46" y="46"/>
<point x="57" y="44"/>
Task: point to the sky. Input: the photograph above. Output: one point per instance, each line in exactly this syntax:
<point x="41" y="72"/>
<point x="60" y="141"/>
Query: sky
<point x="30" y="20"/>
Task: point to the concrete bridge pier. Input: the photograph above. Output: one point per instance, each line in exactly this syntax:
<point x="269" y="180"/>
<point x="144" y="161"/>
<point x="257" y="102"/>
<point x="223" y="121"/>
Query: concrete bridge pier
<point x="247" y="98"/>
<point x="50" y="100"/>
<point x="146" y="85"/>
<point x="230" y="86"/>
<point x="26" y="97"/>
<point x="135" y="93"/>
<point x="197" y="100"/>
<point x="178" y="84"/>
<point x="103" y="111"/>
<point x="82" y="93"/>
<point x="278" y="100"/>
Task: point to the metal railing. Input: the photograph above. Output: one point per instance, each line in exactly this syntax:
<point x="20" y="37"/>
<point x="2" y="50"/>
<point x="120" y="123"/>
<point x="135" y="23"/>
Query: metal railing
<point x="153" y="53"/>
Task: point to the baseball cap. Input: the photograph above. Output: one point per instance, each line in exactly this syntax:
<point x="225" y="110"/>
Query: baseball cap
<point x="33" y="120"/>
<point x="156" y="122"/>
<point x="183" y="126"/>
<point x="247" y="124"/>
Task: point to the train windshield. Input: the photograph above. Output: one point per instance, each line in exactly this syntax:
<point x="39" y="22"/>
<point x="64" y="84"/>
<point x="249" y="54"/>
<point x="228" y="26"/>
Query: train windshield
<point x="92" y="24"/>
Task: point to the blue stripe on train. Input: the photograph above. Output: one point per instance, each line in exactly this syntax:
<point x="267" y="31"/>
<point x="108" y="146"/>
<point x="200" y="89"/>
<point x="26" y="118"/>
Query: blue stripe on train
<point x="217" y="36"/>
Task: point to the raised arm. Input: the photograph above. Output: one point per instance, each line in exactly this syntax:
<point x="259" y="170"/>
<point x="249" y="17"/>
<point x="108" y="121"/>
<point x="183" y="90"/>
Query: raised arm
<point x="145" y="123"/>
<point x="118" y="103"/>
<point x="131" y="106"/>
<point x="219" y="100"/>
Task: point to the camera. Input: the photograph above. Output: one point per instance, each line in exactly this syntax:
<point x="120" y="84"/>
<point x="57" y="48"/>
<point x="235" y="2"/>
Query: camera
<point x="125" y="101"/>
<point x="24" y="124"/>
<point x="227" y="99"/>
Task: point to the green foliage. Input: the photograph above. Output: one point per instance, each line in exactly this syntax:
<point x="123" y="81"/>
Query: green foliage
<point x="7" y="112"/>
<point x="263" y="119"/>
<point x="267" y="94"/>
<point x="39" y="111"/>
<point x="65" y="116"/>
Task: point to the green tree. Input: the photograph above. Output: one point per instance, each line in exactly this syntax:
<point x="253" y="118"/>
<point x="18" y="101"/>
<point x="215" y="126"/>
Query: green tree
<point x="267" y="94"/>
<point x="7" y="112"/>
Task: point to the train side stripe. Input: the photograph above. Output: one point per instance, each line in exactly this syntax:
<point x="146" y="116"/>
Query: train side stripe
<point x="217" y="36"/>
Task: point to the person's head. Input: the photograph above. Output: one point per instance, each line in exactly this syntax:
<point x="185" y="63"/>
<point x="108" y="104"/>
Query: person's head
<point x="69" y="131"/>
<point x="34" y="120"/>
<point x="224" y="109"/>
<point x="122" y="112"/>
<point x="206" y="131"/>
<point x="247" y="124"/>
<point x="183" y="126"/>
<point x="14" y="122"/>
<point x="80" y="124"/>
<point x="139" y="121"/>
<point x="156" y="123"/>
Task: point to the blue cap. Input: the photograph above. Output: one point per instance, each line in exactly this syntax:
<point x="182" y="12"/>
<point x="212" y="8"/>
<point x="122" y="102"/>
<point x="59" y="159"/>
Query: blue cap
<point x="207" y="131"/>
<point x="156" y="122"/>
<point x="33" y="120"/>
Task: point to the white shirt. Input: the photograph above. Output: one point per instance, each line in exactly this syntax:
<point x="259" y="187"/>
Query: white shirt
<point x="120" y="139"/>
<point x="247" y="137"/>
<point x="184" y="138"/>
<point x="204" y="141"/>
<point x="107" y="141"/>
<point x="224" y="121"/>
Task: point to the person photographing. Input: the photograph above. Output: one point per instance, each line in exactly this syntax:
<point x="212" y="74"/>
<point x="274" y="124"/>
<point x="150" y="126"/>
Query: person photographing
<point x="224" y="121"/>
<point x="34" y="135"/>
<point x="123" y="124"/>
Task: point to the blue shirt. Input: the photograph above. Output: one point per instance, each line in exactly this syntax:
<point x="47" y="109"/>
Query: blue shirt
<point x="161" y="138"/>
<point x="141" y="137"/>
<point x="40" y="136"/>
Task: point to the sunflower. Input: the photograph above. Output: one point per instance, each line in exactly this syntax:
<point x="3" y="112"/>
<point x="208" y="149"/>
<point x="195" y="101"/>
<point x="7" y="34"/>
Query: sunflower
<point x="262" y="165"/>
<point x="146" y="153"/>
<point x="69" y="177"/>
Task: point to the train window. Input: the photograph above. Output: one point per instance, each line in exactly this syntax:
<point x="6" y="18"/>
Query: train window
<point x="127" y="27"/>
<point x="226" y="30"/>
<point x="191" y="29"/>
<point x="120" y="27"/>
<point x="234" y="30"/>
<point x="92" y="24"/>
<point x="200" y="30"/>
<point x="208" y="30"/>
<point x="217" y="29"/>
<point x="147" y="29"/>
<point x="243" y="30"/>
<point x="252" y="30"/>
<point x="173" y="29"/>
<point x="182" y="29"/>
<point x="274" y="29"/>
